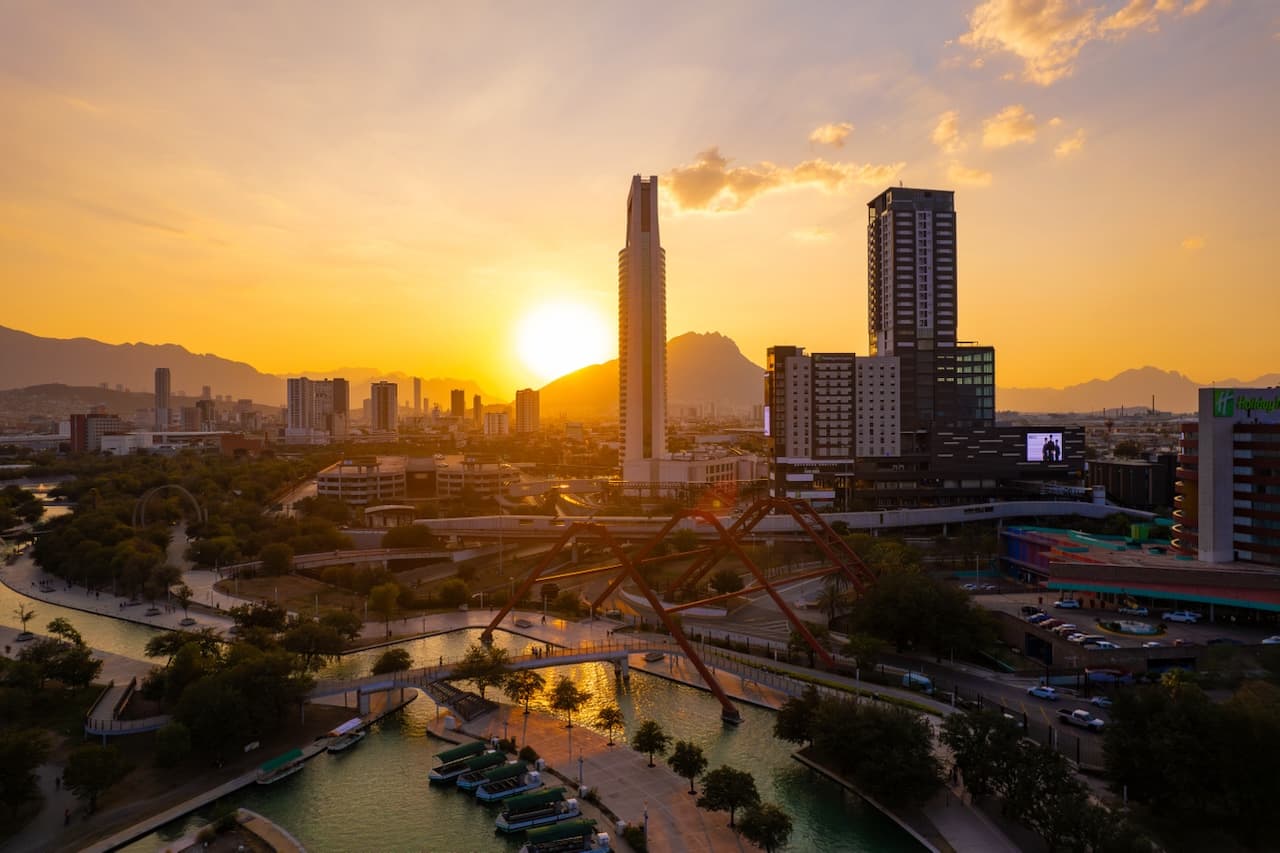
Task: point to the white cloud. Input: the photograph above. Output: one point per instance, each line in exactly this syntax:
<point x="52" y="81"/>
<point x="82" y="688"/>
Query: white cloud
<point x="710" y="183"/>
<point x="1011" y="125"/>
<point x="965" y="176"/>
<point x="831" y="134"/>
<point x="1048" y="35"/>
<point x="1070" y="145"/>
<point x="946" y="135"/>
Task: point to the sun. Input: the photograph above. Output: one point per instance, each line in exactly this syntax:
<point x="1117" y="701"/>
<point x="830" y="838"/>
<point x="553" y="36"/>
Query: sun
<point x="559" y="337"/>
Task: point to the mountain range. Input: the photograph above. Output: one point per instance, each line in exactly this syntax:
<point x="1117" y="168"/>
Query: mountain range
<point x="703" y="370"/>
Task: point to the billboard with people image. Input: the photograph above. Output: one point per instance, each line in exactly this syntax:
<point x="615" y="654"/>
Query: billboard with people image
<point x="1044" y="447"/>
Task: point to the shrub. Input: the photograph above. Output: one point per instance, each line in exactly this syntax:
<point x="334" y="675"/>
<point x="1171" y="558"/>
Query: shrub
<point x="506" y="744"/>
<point x="528" y="754"/>
<point x="634" y="835"/>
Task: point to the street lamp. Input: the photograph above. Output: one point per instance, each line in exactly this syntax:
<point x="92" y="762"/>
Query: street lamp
<point x="579" y="769"/>
<point x="480" y="594"/>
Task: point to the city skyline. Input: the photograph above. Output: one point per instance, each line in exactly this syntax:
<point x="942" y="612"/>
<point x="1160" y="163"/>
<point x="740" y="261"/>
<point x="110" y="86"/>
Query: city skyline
<point x="280" y="194"/>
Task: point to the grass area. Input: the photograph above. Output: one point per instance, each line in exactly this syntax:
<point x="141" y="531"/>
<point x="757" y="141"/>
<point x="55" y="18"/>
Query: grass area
<point x="297" y="593"/>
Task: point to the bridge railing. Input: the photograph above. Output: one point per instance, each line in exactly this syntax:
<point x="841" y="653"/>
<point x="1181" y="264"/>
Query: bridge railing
<point x="124" y="727"/>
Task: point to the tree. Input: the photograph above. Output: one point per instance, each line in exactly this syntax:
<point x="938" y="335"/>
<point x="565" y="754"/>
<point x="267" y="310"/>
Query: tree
<point x="316" y="644"/>
<point x="384" y="599"/>
<point x="21" y="752"/>
<point x="484" y="666"/>
<point x="1042" y="793"/>
<point x="454" y="592"/>
<point x="796" y="717"/>
<point x="766" y="825"/>
<point x="60" y="627"/>
<point x="727" y="790"/>
<point x="725" y="581"/>
<point x="684" y="539"/>
<point x="797" y="644"/>
<point x="864" y="649"/>
<point x="346" y="623"/>
<point x="566" y="696"/>
<point x="73" y="665"/>
<point x="183" y="594"/>
<point x="25" y="614"/>
<point x="611" y="718"/>
<point x="92" y="769"/>
<point x="650" y="738"/>
<point x="887" y="751"/>
<point x="392" y="660"/>
<point x="522" y="685"/>
<point x="687" y="760"/>
<point x="173" y="744"/>
<point x="276" y="558"/>
<point x="831" y="599"/>
<point x="264" y="614"/>
<point x="983" y="743"/>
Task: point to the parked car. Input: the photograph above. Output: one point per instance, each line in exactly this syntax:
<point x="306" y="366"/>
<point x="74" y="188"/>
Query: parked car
<point x="1272" y="641"/>
<point x="1075" y="637"/>
<point x="1090" y="639"/>
<point x="1038" y="618"/>
<point x="917" y="681"/>
<point x="1133" y="611"/>
<point x="1065" y="628"/>
<point x="1067" y="604"/>
<point x="989" y="587"/>
<point x="1153" y="644"/>
<point x="1101" y="701"/>
<point x="1104" y="644"/>
<point x="1049" y="624"/>
<point x="1030" y="610"/>
<point x="1043" y="691"/>
<point x="1181" y="616"/>
<point x="969" y="587"/>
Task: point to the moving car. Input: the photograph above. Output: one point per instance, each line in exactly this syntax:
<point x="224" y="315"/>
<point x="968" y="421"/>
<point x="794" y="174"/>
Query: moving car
<point x="917" y="681"/>
<point x="1080" y="717"/>
<point x="1043" y="691"/>
<point x="1272" y="641"/>
<point x="1181" y="616"/>
<point x="1067" y="604"/>
<point x="1153" y="644"/>
<point x="1037" y="618"/>
<point x="1101" y="701"/>
<point x="1135" y="610"/>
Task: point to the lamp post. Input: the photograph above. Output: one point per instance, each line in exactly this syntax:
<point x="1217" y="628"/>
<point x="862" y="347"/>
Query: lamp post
<point x="579" y="769"/>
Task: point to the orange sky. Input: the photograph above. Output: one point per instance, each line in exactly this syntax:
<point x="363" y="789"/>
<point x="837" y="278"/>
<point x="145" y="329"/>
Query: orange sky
<point x="306" y="186"/>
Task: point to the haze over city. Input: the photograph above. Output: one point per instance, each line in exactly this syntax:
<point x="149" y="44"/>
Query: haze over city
<point x="439" y="191"/>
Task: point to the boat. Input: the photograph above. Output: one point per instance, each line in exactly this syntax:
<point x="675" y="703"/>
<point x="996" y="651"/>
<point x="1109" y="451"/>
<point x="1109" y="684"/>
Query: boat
<point x="573" y="836"/>
<point x="507" y="782"/>
<point x="537" y="809"/>
<point x="654" y="657"/>
<point x="346" y="735"/>
<point x="477" y="767"/>
<point x="281" y="767"/>
<point x="453" y="762"/>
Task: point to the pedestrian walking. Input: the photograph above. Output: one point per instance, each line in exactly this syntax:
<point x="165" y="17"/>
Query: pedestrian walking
<point x="66" y="817"/>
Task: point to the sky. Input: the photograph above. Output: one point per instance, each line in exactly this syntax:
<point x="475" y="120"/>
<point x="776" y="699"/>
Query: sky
<point x="440" y="189"/>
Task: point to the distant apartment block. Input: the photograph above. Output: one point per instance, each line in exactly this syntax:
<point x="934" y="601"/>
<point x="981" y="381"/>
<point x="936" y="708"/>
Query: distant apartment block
<point x="497" y="423"/>
<point x="384" y="409"/>
<point x="458" y="402"/>
<point x="317" y="410"/>
<point x="477" y="410"/>
<point x="417" y="395"/>
<point x="163" y="415"/>
<point x="876" y="407"/>
<point x="527" y="418"/>
<point x="88" y="430"/>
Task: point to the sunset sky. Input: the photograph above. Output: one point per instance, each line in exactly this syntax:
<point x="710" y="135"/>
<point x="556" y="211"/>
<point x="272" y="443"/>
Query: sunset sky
<point x="412" y="186"/>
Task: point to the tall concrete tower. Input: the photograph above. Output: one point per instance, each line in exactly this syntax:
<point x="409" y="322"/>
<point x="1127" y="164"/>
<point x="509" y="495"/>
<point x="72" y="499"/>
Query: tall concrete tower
<point x="162" y="399"/>
<point x="642" y="331"/>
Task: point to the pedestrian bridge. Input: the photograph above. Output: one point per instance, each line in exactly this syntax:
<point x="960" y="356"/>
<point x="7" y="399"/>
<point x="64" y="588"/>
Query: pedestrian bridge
<point x="342" y="558"/>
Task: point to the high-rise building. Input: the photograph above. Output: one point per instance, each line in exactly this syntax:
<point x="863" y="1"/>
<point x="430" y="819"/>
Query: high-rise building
<point x="526" y="410"/>
<point x="417" y="395"/>
<point x="642" y="329"/>
<point x="385" y="409"/>
<point x="317" y="407"/>
<point x="162" y="398"/>
<point x="497" y="423"/>
<point x="458" y="402"/>
<point x="477" y="410"/>
<point x="877" y="415"/>
<point x="206" y="392"/>
<point x="206" y="415"/>
<point x="88" y="429"/>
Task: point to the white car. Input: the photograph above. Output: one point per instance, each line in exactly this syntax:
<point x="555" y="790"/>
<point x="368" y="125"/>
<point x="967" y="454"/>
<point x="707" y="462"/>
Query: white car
<point x="1043" y="691"/>
<point x="1181" y="616"/>
<point x="1133" y="611"/>
<point x="1272" y="641"/>
<point x="1153" y="644"/>
<point x="1103" y="644"/>
<point x="1076" y="637"/>
<point x="1101" y="701"/>
<point x="1067" y="604"/>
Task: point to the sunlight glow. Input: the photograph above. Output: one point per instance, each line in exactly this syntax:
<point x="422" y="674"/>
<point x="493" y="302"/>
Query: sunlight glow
<point x="559" y="337"/>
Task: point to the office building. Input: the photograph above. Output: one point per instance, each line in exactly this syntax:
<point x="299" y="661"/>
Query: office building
<point x="417" y="395"/>
<point x="877" y="416"/>
<point x="497" y="423"/>
<point x="458" y="403"/>
<point x="642" y="333"/>
<point x="88" y="430"/>
<point x="206" y="415"/>
<point x="477" y="410"/>
<point x="384" y="409"/>
<point x="1227" y="503"/>
<point x="365" y="480"/>
<point x="526" y="410"/>
<point x="162" y="398"/>
<point x="317" y="409"/>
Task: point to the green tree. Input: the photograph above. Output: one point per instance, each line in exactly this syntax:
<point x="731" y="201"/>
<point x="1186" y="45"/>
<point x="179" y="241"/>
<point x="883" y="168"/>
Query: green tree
<point x="92" y="769"/>
<point x="183" y="594"/>
<point x="726" y="789"/>
<point x="567" y="697"/>
<point x="454" y="592"/>
<point x="263" y="614"/>
<point x="725" y="581"/>
<point x="650" y="738"/>
<point x="316" y="644"/>
<point x="795" y="719"/>
<point x="346" y="623"/>
<point x="72" y="665"/>
<point x="167" y="644"/>
<point x="611" y="718"/>
<point x="522" y="685"/>
<point x="798" y="645"/>
<point x="62" y="628"/>
<point x="276" y="558"/>
<point x="766" y="825"/>
<point x="482" y="665"/>
<point x="173" y="744"/>
<point x="392" y="660"/>
<point x="683" y="540"/>
<point x="887" y="751"/>
<point x="25" y="614"/>
<point x="21" y="752"/>
<point x="1042" y="793"/>
<point x="410" y="536"/>
<point x="983" y="743"/>
<point x="687" y="760"/>
<point x="864" y="649"/>
<point x="384" y="599"/>
<point x="831" y="599"/>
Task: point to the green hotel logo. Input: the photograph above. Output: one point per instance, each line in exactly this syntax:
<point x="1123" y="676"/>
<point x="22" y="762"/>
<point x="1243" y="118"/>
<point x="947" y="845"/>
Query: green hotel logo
<point x="1224" y="403"/>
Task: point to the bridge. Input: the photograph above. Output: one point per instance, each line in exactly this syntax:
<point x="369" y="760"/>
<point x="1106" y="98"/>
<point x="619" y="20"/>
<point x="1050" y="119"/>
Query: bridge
<point x="365" y="555"/>
<point x="104" y="717"/>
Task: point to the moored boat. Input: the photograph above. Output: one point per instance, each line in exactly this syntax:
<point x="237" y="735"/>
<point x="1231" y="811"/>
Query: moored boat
<point x="654" y="657"/>
<point x="572" y="836"/>
<point x="507" y="782"/>
<point x="346" y="735"/>
<point x="537" y="809"/>
<point x="478" y="768"/>
<point x="453" y="762"/>
<point x="280" y="767"/>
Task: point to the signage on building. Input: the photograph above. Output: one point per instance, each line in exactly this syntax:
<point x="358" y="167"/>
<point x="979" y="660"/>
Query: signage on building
<point x="1242" y="405"/>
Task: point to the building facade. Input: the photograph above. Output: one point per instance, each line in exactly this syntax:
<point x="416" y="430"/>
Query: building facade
<point x="364" y="480"/>
<point x="458" y="402"/>
<point x="88" y="430"/>
<point x="642" y="329"/>
<point x="527" y="411"/>
<point x="876" y="407"/>
<point x="384" y="406"/>
<point x="417" y="395"/>
<point x="497" y="423"/>
<point x="163" y="414"/>
<point x="317" y="409"/>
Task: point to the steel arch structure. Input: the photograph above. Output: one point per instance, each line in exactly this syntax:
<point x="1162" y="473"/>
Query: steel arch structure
<point x="140" y="507"/>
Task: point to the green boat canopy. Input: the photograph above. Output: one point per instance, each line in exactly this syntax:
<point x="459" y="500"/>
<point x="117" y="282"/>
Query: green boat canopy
<point x="568" y="829"/>
<point x="524" y="802"/>
<point x="281" y="760"/>
<point x="510" y="771"/>
<point x="474" y="748"/>
<point x="489" y="759"/>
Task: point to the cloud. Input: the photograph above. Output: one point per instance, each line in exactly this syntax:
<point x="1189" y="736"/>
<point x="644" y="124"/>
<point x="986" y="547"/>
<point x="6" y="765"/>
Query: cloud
<point x="710" y="183"/>
<point x="965" y="176"/>
<point x="831" y="134"/>
<point x="947" y="133"/>
<point x="1011" y="125"/>
<point x="1071" y="145"/>
<point x="1048" y="35"/>
<point x="1193" y="244"/>
<point x="1055" y="121"/>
